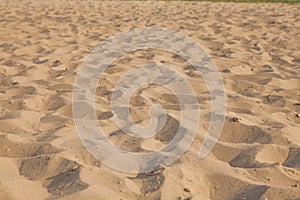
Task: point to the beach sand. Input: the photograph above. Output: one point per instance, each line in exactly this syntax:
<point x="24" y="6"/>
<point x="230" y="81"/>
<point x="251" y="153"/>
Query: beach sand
<point x="255" y="47"/>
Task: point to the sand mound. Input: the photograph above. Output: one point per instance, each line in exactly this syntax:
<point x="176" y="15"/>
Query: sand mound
<point x="13" y="149"/>
<point x="59" y="175"/>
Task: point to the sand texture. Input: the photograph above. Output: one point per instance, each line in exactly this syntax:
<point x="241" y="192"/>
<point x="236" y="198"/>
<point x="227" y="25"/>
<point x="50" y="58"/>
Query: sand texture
<point x="256" y="48"/>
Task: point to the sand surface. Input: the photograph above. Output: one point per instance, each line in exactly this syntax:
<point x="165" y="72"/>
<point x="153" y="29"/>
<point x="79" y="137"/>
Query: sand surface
<point x="256" y="48"/>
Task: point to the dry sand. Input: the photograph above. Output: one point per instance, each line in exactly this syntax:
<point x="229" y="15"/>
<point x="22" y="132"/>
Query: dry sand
<point x="255" y="46"/>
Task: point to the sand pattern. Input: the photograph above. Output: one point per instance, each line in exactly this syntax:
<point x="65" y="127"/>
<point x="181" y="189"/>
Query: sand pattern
<point x="255" y="47"/>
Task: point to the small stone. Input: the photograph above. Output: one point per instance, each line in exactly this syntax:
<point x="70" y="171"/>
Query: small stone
<point x="187" y="189"/>
<point x="56" y="63"/>
<point x="226" y="71"/>
<point x="297" y="115"/>
<point x="15" y="83"/>
<point x="296" y="185"/>
<point x="75" y="168"/>
<point x="235" y="119"/>
<point x="268" y="179"/>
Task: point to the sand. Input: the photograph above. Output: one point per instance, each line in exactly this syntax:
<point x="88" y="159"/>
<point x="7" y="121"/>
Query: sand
<point x="256" y="48"/>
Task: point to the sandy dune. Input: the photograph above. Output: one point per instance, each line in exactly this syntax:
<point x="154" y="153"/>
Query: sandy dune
<point x="256" y="48"/>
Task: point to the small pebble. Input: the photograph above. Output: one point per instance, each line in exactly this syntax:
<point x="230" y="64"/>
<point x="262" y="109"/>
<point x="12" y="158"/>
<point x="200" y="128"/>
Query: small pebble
<point x="75" y="168"/>
<point x="56" y="63"/>
<point x="15" y="83"/>
<point x="235" y="119"/>
<point x="268" y="179"/>
<point x="187" y="190"/>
